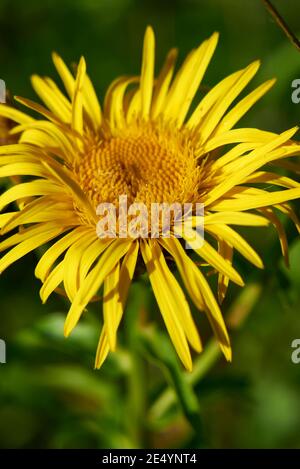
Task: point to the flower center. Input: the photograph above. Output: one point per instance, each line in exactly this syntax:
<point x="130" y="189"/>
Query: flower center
<point x="145" y="163"/>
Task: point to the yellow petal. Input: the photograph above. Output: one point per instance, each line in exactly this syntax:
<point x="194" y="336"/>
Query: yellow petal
<point x="65" y="101"/>
<point x="186" y="268"/>
<point x="51" y="99"/>
<point x="41" y="209"/>
<point x="90" y="100"/>
<point x="271" y="178"/>
<point x="250" y="138"/>
<point x="116" y="110"/>
<point x="185" y="316"/>
<point x="180" y="84"/>
<point x="126" y="275"/>
<point x="6" y="217"/>
<point x="23" y="169"/>
<point x="63" y="176"/>
<point x="77" y="102"/>
<point x="164" y="295"/>
<point x="28" y="245"/>
<point x="269" y="213"/>
<point x="15" y="115"/>
<point x="134" y="107"/>
<point x="40" y="139"/>
<point x="198" y="288"/>
<point x="235" y="218"/>
<point x="21" y="150"/>
<point x="54" y="252"/>
<point x="287" y="210"/>
<point x="226" y="252"/>
<point x="240" y="109"/>
<point x="248" y="164"/>
<point x="111" y="305"/>
<point x="188" y="80"/>
<point x="147" y="73"/>
<point x="64" y="73"/>
<point x="199" y="71"/>
<point x="263" y="199"/>
<point x="94" y="280"/>
<point x="44" y="112"/>
<point x="27" y="233"/>
<point x="211" y="97"/>
<point x="52" y="282"/>
<point x="214" y="116"/>
<point x="28" y="189"/>
<point x="91" y="103"/>
<point x="56" y="136"/>
<point x="212" y="257"/>
<point x="162" y="83"/>
<point x="72" y="261"/>
<point x="91" y="254"/>
<point x="227" y="234"/>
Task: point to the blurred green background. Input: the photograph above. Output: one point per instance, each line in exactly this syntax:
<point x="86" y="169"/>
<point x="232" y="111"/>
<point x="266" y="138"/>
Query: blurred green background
<point x="50" y="396"/>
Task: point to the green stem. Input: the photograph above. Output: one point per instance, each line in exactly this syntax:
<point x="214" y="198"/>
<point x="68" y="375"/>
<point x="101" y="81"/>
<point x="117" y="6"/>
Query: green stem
<point x="236" y="317"/>
<point x="282" y="24"/>
<point x="136" y="377"/>
<point x="202" y="365"/>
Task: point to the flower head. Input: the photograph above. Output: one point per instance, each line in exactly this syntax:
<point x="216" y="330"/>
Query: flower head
<point x="145" y="143"/>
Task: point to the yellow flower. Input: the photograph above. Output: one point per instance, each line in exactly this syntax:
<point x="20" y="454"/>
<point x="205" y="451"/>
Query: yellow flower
<point x="147" y="144"/>
<point x="5" y="126"/>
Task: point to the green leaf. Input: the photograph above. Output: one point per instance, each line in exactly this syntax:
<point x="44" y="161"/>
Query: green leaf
<point x="159" y="349"/>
